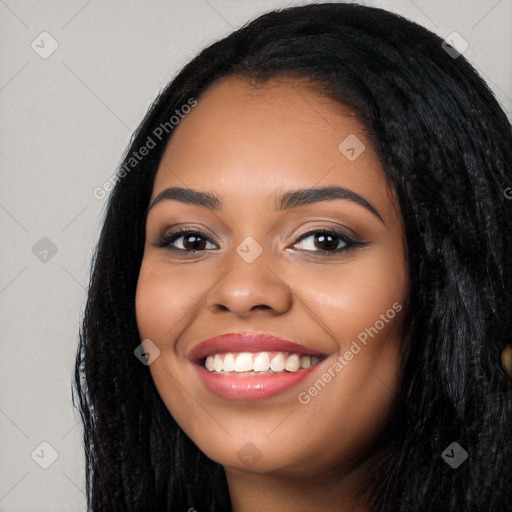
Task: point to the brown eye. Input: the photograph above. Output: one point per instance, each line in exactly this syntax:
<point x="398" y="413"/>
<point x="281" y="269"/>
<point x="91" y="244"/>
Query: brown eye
<point x="324" y="242"/>
<point x="186" y="241"/>
<point x="193" y="243"/>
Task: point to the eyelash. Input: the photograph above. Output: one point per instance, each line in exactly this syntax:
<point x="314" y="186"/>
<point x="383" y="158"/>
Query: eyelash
<point x="167" y="239"/>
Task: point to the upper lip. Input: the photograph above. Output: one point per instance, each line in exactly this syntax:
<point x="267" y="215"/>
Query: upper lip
<point x="247" y="342"/>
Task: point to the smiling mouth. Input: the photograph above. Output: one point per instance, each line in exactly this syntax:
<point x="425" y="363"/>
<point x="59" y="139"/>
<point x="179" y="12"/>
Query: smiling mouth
<point x="252" y="366"/>
<point x="254" y="363"/>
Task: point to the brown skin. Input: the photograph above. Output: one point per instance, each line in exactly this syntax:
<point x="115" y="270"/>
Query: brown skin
<point x="248" y="145"/>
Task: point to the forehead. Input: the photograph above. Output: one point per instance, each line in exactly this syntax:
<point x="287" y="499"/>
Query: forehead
<point x="247" y="141"/>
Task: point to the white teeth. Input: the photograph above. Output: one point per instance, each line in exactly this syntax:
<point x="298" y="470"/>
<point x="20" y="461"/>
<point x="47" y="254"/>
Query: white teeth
<point x="305" y="362"/>
<point x="243" y="362"/>
<point x="229" y="363"/>
<point x="277" y="363"/>
<point x="262" y="362"/>
<point x="218" y="363"/>
<point x="292" y="364"/>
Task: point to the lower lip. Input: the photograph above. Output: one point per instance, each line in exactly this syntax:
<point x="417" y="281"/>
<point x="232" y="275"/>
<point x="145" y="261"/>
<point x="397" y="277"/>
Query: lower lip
<point x="257" y="387"/>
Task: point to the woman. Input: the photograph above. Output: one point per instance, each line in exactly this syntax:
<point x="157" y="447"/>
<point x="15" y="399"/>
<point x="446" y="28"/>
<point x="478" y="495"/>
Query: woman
<point x="303" y="280"/>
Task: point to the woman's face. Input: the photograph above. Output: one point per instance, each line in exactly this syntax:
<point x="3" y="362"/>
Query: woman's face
<point x="262" y="259"/>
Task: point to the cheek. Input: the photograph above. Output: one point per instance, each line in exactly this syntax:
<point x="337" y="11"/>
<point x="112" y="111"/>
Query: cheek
<point x="361" y="300"/>
<point x="162" y="300"/>
<point x="164" y="304"/>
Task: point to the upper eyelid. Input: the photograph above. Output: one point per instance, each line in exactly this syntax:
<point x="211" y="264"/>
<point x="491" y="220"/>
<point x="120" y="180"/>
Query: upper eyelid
<point x="179" y="233"/>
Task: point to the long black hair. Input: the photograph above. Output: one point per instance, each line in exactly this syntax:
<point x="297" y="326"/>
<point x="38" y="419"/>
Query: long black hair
<point x="445" y="146"/>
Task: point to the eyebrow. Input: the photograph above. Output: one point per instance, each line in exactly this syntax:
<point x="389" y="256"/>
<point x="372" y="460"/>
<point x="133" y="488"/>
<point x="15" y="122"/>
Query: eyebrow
<point x="289" y="200"/>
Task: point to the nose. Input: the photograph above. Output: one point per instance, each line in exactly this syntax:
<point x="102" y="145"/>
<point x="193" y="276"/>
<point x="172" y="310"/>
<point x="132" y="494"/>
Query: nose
<point x="250" y="288"/>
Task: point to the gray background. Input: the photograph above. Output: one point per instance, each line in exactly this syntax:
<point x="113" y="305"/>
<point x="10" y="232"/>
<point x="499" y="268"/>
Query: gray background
<point x="65" y="122"/>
